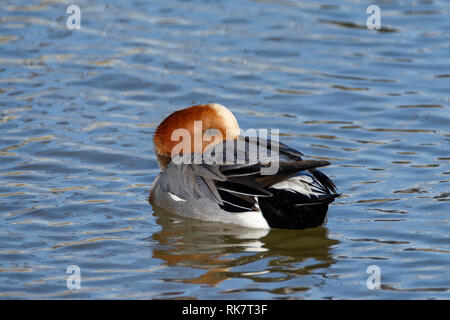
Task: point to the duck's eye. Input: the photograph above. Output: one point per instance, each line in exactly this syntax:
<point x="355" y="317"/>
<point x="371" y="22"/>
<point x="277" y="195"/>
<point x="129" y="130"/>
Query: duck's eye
<point x="211" y="132"/>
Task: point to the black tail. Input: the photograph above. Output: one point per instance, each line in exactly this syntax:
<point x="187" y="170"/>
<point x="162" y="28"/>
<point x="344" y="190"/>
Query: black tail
<point x="288" y="210"/>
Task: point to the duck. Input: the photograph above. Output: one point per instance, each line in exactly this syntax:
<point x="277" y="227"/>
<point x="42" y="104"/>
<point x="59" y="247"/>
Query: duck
<point x="209" y="171"/>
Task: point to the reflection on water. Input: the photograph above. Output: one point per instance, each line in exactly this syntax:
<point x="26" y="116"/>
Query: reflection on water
<point x="221" y="250"/>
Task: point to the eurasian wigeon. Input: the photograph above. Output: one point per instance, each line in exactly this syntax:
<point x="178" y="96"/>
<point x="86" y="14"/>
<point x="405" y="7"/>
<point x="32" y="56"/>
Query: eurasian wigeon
<point x="236" y="190"/>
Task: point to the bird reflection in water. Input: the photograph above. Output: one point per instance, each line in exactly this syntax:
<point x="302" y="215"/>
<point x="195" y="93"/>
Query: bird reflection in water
<point x="219" y="248"/>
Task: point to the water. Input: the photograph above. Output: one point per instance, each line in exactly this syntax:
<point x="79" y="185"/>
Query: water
<point x="78" y="110"/>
